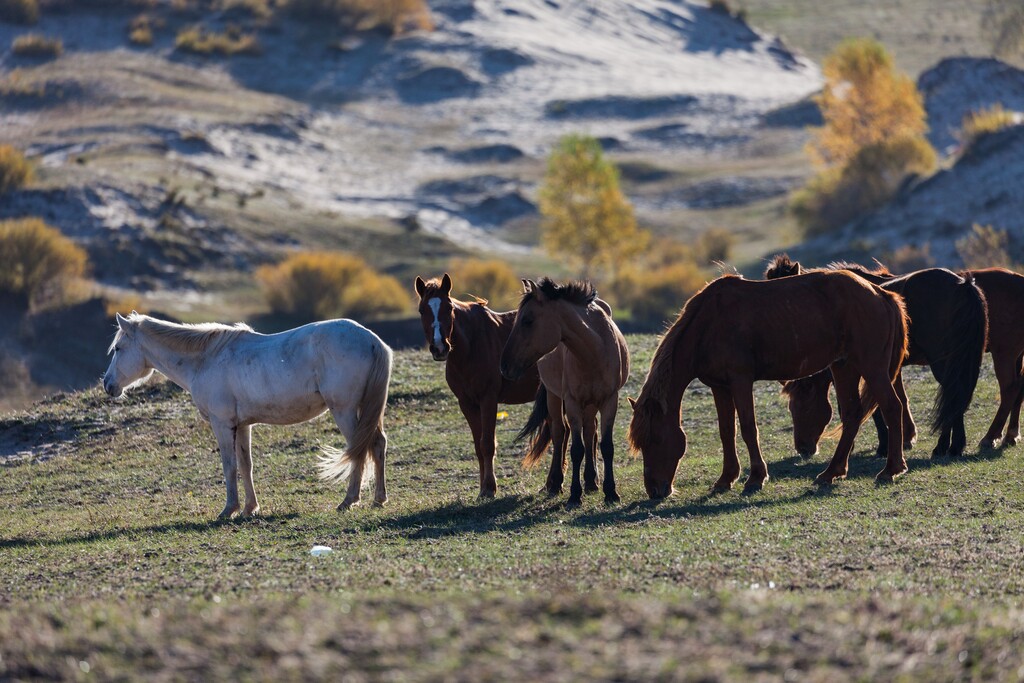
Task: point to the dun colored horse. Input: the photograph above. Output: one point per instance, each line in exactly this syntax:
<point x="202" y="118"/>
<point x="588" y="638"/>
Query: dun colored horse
<point x="1004" y="291"/>
<point x="948" y="329"/>
<point x="239" y="378"/>
<point x="468" y="338"/>
<point x="570" y="320"/>
<point x="734" y="332"/>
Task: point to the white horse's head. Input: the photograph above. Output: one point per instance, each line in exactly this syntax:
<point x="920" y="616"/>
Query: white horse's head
<point x="129" y="366"/>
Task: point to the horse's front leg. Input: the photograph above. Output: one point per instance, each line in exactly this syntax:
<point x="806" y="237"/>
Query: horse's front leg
<point x="488" y="447"/>
<point x="743" y="399"/>
<point x="243" y="454"/>
<point x="847" y="383"/>
<point x="577" y="453"/>
<point x="608" y="412"/>
<point x="727" y="431"/>
<point x="471" y="411"/>
<point x="227" y="435"/>
<point x="909" y="426"/>
<point x="380" y="450"/>
<point x="1007" y="369"/>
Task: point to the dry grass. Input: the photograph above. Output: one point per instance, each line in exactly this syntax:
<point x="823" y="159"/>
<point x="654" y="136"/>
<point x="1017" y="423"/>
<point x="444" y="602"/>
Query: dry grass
<point x="490" y="279"/>
<point x="37" y="46"/>
<point x="983" y="122"/>
<point x="38" y="265"/>
<point x="197" y="40"/>
<point x="15" y="169"/>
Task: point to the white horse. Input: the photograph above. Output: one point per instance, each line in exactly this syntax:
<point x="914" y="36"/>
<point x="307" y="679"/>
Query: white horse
<point x="238" y="377"/>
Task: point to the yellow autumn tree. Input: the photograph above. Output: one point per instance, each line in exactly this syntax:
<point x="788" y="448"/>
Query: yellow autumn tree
<point x="873" y="136"/>
<point x="587" y="219"/>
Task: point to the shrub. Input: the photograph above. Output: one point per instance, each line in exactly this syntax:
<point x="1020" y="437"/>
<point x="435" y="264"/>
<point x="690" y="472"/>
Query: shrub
<point x="714" y="245"/>
<point x="37" y="46"/>
<point x="320" y="285"/>
<point x="909" y="258"/>
<point x="140" y="29"/>
<point x="37" y="262"/>
<point x="19" y="11"/>
<point x="985" y="247"/>
<point x="198" y="40"/>
<point x="15" y="170"/>
<point x="395" y="16"/>
<point x="654" y="296"/>
<point x="985" y="121"/>
<point x="838" y="195"/>
<point x="490" y="279"/>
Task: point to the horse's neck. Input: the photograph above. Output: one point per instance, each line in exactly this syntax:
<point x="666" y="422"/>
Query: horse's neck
<point x="470" y="324"/>
<point x="178" y="367"/>
<point x="584" y="338"/>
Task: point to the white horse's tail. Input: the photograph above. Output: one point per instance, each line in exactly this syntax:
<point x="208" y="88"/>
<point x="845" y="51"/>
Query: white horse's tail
<point x="337" y="465"/>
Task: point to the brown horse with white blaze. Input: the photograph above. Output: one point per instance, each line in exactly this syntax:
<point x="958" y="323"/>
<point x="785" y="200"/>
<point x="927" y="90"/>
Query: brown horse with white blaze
<point x="570" y="320"/>
<point x="468" y="338"/>
<point x="734" y="332"/>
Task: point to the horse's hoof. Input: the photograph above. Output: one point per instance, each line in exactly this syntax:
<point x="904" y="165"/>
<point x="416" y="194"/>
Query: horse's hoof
<point x="987" y="444"/>
<point x="487" y="495"/>
<point x="753" y="486"/>
<point x="611" y="497"/>
<point x="346" y="504"/>
<point x="1011" y="440"/>
<point x="882" y="452"/>
<point x="807" y="455"/>
<point x="827" y="479"/>
<point x="908" y="444"/>
<point x="380" y="503"/>
<point x="573" y="502"/>
<point x="885" y="476"/>
<point x="721" y="487"/>
<point x="255" y="512"/>
<point x="939" y="453"/>
<point x="591" y="487"/>
<point x="227" y="513"/>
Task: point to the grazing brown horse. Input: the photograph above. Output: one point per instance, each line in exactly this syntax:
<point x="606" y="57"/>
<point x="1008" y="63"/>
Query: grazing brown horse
<point x="734" y="332"/>
<point x="1004" y="291"/>
<point x="948" y="330"/>
<point x="569" y="320"/>
<point x="469" y="338"/>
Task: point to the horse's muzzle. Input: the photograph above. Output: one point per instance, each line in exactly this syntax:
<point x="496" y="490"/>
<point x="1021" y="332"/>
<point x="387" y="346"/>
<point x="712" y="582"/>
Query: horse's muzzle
<point x="111" y="388"/>
<point x="510" y="373"/>
<point x="438" y="354"/>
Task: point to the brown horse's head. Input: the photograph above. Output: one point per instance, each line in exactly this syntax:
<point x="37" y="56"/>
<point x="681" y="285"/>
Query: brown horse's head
<point x="811" y="410"/>
<point x="659" y="437"/>
<point x="781" y="266"/>
<point x="437" y="314"/>
<point x="538" y="327"/>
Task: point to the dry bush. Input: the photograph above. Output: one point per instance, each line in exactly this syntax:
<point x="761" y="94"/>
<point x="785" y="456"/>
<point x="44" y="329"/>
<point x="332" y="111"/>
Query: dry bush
<point x="714" y="245"/>
<point x="260" y="9"/>
<point x="197" y="40"/>
<point x="985" y="121"/>
<point x="654" y="296"/>
<point x="985" y="247"/>
<point x="141" y="28"/>
<point x="909" y="258"/>
<point x="491" y="279"/>
<point x="838" y="195"/>
<point x="19" y="11"/>
<point x="15" y="170"/>
<point x="38" y="264"/>
<point x="37" y="46"/>
<point x="395" y="16"/>
<point x="321" y="285"/>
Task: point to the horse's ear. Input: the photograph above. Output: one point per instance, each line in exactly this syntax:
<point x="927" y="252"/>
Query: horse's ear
<point x="632" y="402"/>
<point x="530" y="287"/>
<point x="123" y="324"/>
<point x="421" y="286"/>
<point x="446" y="284"/>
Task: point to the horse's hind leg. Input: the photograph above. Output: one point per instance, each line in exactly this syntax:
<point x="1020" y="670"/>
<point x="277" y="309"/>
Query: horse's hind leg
<point x="846" y="381"/>
<point x="909" y="426"/>
<point x="243" y="450"/>
<point x="1007" y="368"/>
<point x="608" y="448"/>
<point x="346" y="420"/>
<point x="1013" y="429"/>
<point x="556" y="475"/>
<point x="576" y="452"/>
<point x="727" y="431"/>
<point x="380" y="451"/>
<point x="590" y="483"/>
<point x="226" y="439"/>
<point x="892" y="411"/>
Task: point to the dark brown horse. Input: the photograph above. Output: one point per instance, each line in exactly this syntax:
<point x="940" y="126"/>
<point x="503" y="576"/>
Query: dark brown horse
<point x="469" y="337"/>
<point x="948" y="329"/>
<point x="734" y="332"/>
<point x="1004" y="291"/>
<point x="570" y="321"/>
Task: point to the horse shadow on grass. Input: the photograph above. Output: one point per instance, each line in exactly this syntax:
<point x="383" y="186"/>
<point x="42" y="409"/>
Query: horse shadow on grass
<point x="116" y="534"/>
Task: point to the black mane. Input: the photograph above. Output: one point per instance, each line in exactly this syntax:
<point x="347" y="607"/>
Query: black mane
<point x="579" y="292"/>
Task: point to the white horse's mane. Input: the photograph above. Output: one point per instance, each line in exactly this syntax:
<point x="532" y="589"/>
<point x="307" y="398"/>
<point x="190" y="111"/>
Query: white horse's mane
<point x="187" y="338"/>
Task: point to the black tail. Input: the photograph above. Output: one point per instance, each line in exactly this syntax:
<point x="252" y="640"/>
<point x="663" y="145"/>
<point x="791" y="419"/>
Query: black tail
<point x="538" y="428"/>
<point x="966" y="340"/>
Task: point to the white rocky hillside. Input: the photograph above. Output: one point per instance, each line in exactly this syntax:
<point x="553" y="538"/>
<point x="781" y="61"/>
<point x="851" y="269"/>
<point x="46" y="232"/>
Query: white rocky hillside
<point x="981" y="185"/>
<point x="443" y="129"/>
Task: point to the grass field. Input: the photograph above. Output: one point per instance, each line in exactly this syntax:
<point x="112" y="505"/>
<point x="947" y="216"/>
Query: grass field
<point x="113" y="568"/>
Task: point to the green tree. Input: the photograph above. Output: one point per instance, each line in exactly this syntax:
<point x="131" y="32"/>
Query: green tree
<point x="586" y="218"/>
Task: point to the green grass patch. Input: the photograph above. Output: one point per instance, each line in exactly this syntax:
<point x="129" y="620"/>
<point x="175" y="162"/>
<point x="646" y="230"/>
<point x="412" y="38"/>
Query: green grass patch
<point x="113" y="561"/>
